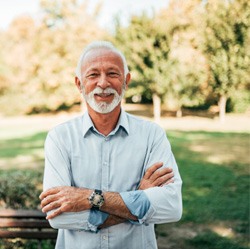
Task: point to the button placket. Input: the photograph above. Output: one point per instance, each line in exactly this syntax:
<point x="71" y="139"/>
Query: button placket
<point x="105" y="184"/>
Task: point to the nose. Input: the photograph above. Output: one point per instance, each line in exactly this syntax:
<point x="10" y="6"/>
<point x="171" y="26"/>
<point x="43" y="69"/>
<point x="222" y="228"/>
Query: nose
<point x="103" y="82"/>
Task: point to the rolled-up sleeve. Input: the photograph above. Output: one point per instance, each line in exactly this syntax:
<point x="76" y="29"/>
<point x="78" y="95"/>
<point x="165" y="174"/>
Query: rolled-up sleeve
<point x="138" y="204"/>
<point x="58" y="173"/>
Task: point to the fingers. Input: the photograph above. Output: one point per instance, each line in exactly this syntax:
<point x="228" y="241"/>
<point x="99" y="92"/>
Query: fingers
<point x="50" y="200"/>
<point x="54" y="214"/>
<point x="169" y="181"/>
<point x="151" y="170"/>
<point x="64" y="199"/>
<point x="47" y="200"/>
<point x="160" y="173"/>
<point x="48" y="192"/>
<point x="50" y="206"/>
<point x="164" y="179"/>
<point x="156" y="176"/>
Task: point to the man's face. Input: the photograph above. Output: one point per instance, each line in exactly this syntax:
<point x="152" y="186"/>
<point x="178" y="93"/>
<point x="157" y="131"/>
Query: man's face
<point x="103" y="81"/>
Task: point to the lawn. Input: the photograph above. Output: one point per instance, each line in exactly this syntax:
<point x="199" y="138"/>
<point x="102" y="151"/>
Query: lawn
<point x="215" y="171"/>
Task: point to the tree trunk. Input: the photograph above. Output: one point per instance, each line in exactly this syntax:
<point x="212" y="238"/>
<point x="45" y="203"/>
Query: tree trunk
<point x="157" y="107"/>
<point x="222" y="108"/>
<point x="179" y="112"/>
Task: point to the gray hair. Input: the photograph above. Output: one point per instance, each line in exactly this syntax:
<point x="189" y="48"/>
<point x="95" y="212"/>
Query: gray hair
<point x="97" y="45"/>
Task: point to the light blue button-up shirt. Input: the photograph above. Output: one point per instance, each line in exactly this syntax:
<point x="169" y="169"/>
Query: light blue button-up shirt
<point x="76" y="154"/>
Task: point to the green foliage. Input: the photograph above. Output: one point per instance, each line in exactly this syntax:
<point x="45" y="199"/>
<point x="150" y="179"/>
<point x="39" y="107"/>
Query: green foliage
<point x="19" y="189"/>
<point x="147" y="49"/>
<point x="155" y="55"/>
<point x="226" y="44"/>
<point x="42" y="57"/>
<point x="239" y="101"/>
<point x="186" y="52"/>
<point x="26" y="244"/>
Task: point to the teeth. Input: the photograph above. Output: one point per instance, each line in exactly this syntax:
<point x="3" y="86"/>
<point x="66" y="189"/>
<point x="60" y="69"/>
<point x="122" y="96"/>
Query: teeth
<point x="104" y="94"/>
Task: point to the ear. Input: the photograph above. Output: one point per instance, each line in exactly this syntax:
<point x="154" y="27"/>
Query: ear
<point x="128" y="78"/>
<point x="78" y="84"/>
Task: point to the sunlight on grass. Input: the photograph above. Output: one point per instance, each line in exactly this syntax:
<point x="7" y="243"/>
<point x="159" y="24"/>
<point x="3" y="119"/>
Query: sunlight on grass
<point x="223" y="230"/>
<point x="22" y="152"/>
<point x="199" y="192"/>
<point x="218" y="148"/>
<point x="34" y="160"/>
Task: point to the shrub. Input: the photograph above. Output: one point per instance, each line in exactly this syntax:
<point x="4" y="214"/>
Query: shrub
<point x="19" y="189"/>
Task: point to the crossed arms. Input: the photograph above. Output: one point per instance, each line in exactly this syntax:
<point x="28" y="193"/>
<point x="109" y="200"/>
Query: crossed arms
<point x="65" y="199"/>
<point x="156" y="200"/>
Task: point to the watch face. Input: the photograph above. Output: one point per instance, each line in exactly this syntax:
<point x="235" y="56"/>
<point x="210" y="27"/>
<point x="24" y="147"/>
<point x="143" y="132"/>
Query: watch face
<point x="97" y="199"/>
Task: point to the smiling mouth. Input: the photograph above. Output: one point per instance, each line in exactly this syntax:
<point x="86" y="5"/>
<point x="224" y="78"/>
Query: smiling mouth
<point x="103" y="95"/>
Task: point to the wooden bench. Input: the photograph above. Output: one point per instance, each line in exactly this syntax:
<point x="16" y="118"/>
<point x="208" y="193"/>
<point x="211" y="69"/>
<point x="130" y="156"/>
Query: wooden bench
<point x="25" y="224"/>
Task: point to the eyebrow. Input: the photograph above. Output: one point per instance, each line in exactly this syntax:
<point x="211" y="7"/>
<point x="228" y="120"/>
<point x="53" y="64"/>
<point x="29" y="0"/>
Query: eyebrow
<point x="108" y="69"/>
<point x="91" y="70"/>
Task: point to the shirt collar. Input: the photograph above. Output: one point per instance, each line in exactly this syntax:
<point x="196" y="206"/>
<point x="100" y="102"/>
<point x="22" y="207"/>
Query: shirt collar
<point x="122" y="122"/>
<point x="87" y="123"/>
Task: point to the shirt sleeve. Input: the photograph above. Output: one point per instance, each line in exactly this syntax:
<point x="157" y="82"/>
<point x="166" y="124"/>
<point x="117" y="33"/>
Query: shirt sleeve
<point x="96" y="218"/>
<point x="157" y="204"/>
<point x="166" y="201"/>
<point x="138" y="204"/>
<point x="58" y="173"/>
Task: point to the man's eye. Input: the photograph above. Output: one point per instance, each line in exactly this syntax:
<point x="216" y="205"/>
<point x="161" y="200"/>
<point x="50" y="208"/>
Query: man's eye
<point x="92" y="75"/>
<point x="113" y="74"/>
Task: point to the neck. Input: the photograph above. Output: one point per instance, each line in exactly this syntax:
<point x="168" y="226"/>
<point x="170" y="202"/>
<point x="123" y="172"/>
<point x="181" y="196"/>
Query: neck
<point x="105" y="123"/>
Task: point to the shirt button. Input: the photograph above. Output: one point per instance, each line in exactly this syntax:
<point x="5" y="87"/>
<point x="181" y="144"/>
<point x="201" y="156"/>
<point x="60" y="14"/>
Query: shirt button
<point x="104" y="237"/>
<point x="106" y="139"/>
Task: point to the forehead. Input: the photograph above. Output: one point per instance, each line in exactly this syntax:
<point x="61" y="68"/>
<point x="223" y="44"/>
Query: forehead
<point x="102" y="58"/>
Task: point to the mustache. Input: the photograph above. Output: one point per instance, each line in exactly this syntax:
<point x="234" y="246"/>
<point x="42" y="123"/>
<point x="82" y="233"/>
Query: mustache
<point x="108" y="90"/>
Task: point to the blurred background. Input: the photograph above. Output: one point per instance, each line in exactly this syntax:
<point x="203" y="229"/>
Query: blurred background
<point x="190" y="66"/>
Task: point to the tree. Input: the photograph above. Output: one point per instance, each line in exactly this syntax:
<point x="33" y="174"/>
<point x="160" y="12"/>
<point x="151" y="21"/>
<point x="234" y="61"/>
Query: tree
<point x="153" y="46"/>
<point x="147" y="49"/>
<point x="189" y="84"/>
<point x="42" y="56"/>
<point x="226" y="46"/>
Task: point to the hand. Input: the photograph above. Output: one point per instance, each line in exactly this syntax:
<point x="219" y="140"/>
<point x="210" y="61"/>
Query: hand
<point x="156" y="177"/>
<point x="64" y="199"/>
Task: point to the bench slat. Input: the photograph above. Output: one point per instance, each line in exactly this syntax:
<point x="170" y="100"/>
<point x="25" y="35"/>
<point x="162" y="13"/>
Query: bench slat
<point x="9" y="213"/>
<point x="28" y="234"/>
<point x="31" y="223"/>
<point x="6" y="223"/>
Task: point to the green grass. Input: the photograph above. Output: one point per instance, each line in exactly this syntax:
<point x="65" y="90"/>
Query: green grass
<point x="21" y="146"/>
<point x="22" y="152"/>
<point x="215" y="171"/>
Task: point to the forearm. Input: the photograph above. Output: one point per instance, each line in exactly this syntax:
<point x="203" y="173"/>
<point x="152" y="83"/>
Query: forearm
<point x="111" y="221"/>
<point x="126" y="206"/>
<point x="115" y="205"/>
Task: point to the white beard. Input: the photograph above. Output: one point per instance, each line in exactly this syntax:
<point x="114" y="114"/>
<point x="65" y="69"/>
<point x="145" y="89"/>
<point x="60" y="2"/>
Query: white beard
<point x="103" y="107"/>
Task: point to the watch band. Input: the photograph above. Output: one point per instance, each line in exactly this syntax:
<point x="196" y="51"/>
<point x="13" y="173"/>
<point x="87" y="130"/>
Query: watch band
<point x="97" y="191"/>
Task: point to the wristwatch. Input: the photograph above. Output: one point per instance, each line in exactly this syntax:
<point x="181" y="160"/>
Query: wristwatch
<point x="96" y="199"/>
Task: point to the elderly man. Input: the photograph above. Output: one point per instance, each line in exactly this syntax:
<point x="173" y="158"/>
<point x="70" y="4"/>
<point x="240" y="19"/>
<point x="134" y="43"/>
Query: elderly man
<point x="109" y="176"/>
